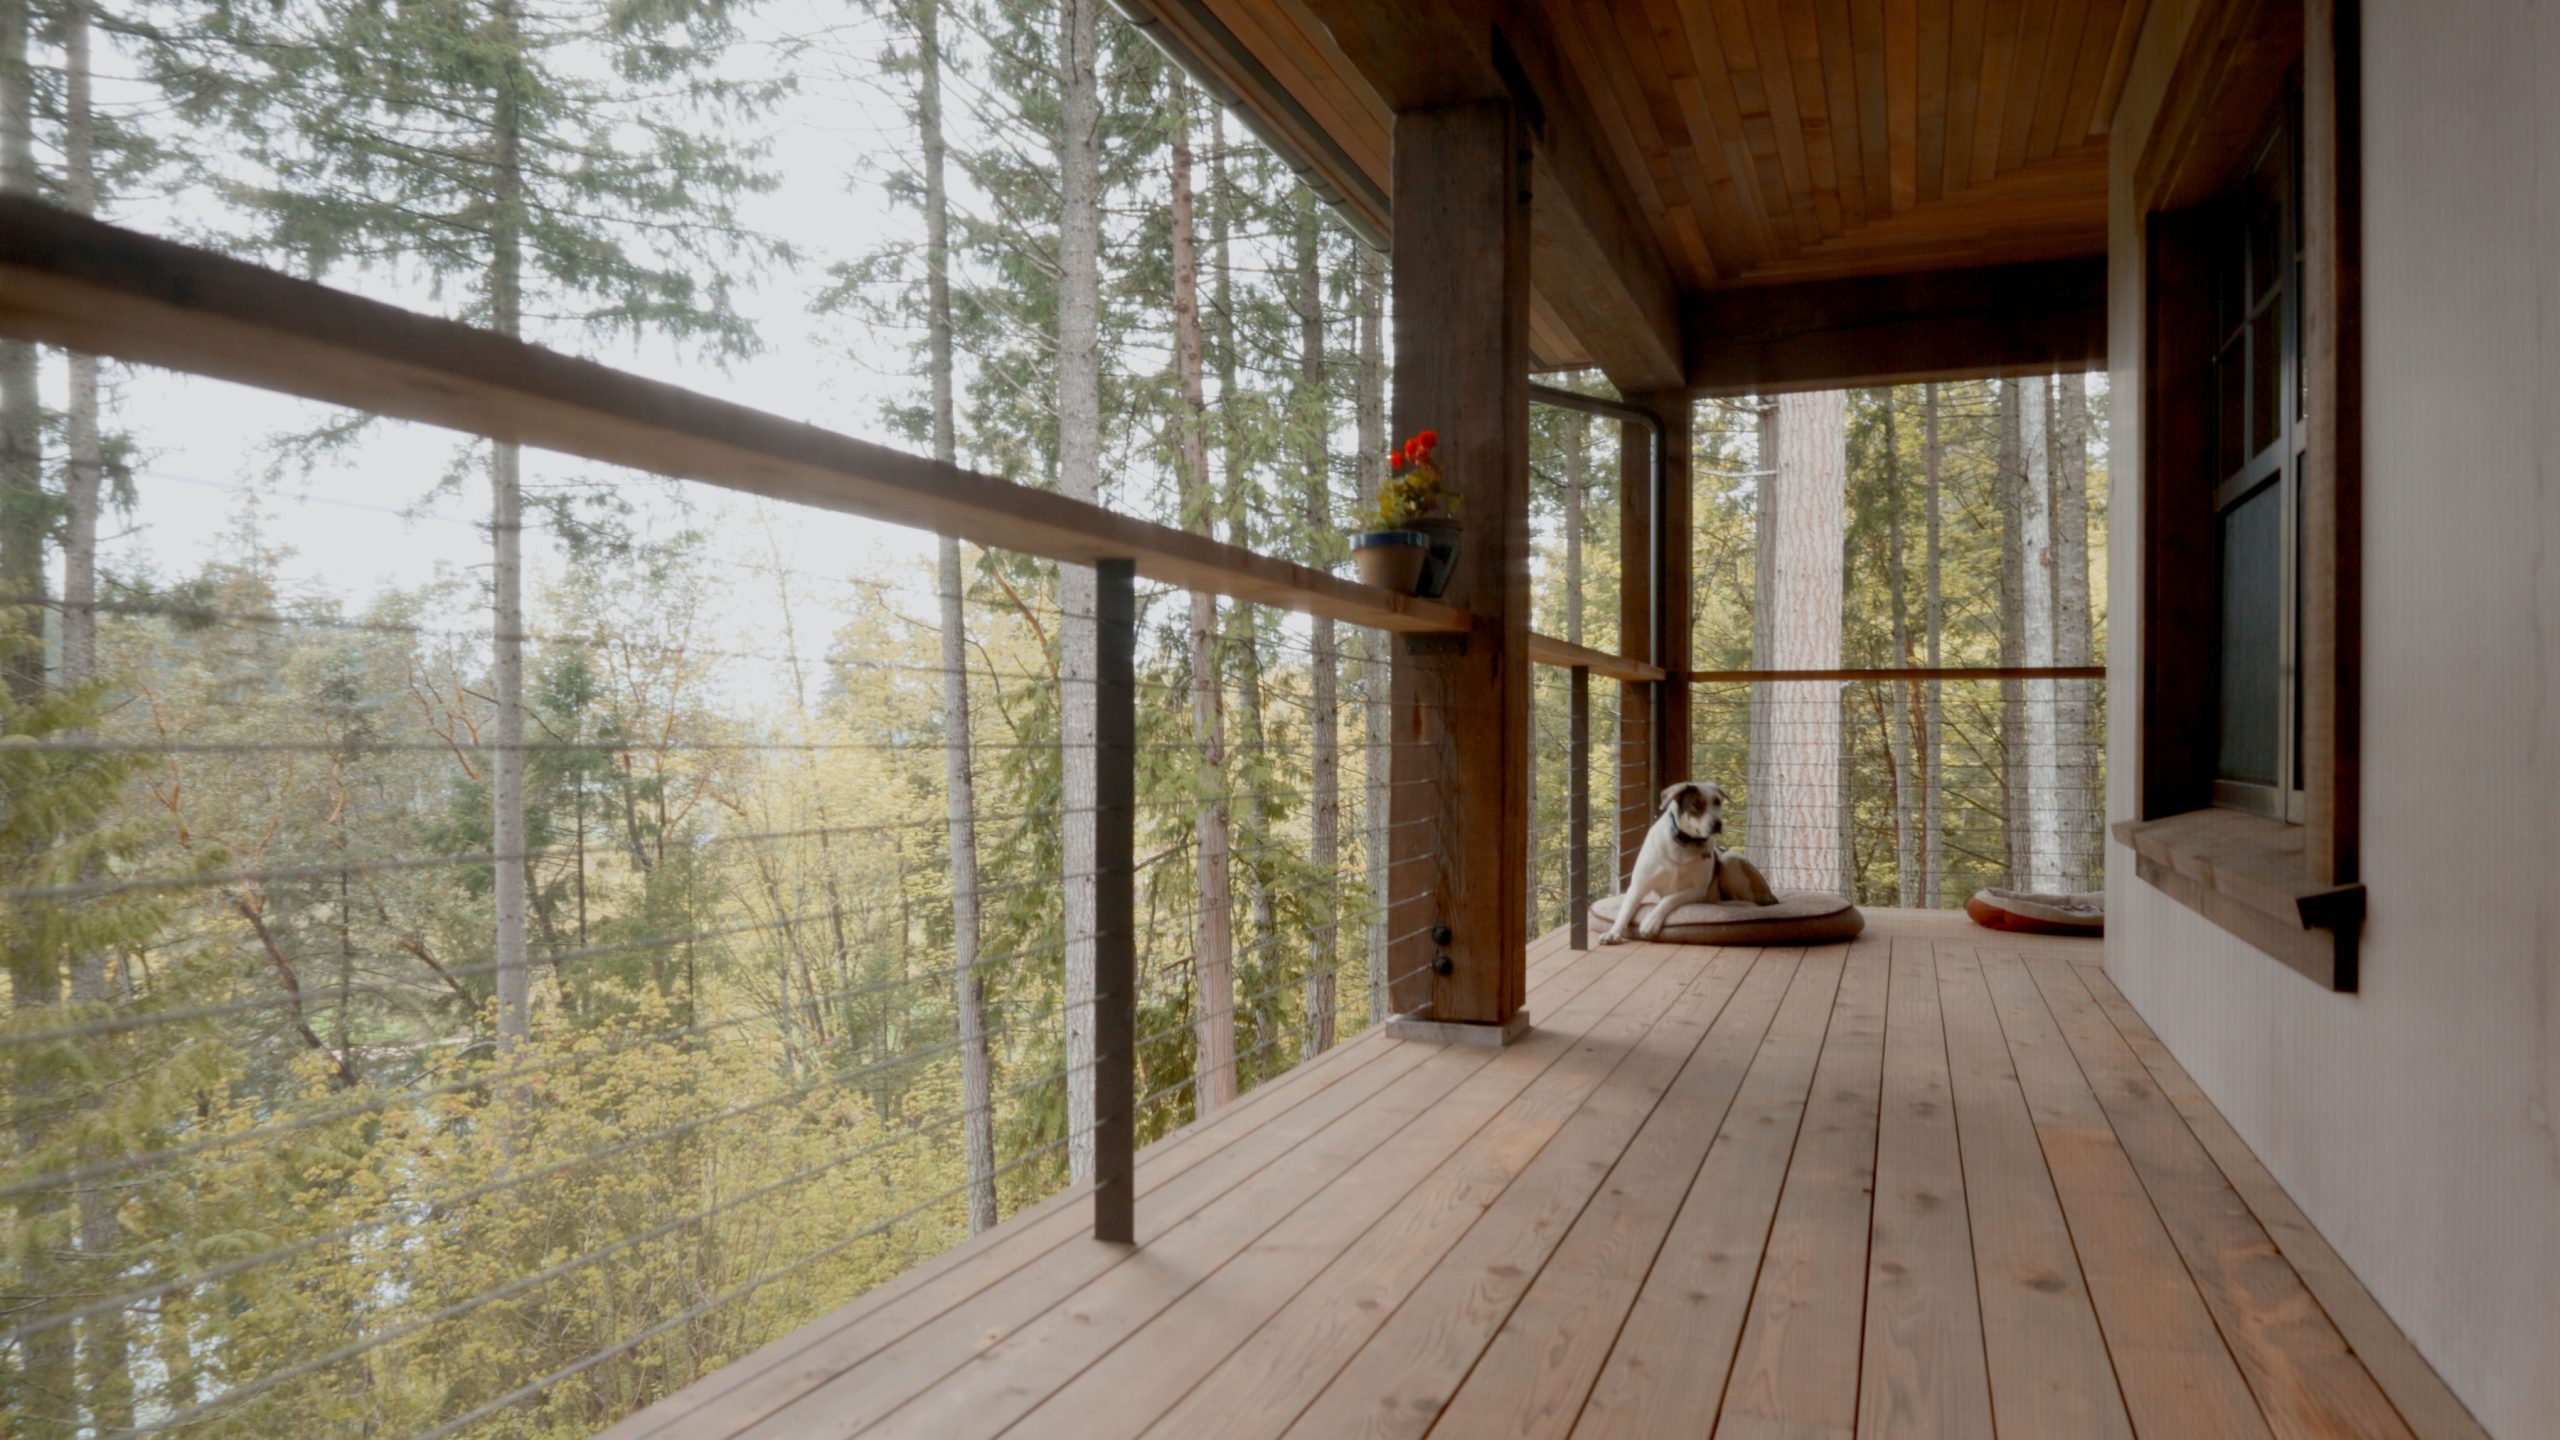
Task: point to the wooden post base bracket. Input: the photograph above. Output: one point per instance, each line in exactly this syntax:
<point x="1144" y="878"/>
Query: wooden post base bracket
<point x="1457" y="1032"/>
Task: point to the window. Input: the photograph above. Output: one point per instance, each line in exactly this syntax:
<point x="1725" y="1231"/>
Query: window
<point x="2245" y="764"/>
<point x="2261" y="430"/>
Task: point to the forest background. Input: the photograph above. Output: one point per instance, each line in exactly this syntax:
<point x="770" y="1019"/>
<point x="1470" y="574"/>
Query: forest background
<point x="490" y="938"/>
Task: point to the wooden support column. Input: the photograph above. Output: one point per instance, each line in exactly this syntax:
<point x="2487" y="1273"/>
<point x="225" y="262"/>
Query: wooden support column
<point x="1637" y="782"/>
<point x="1459" y="860"/>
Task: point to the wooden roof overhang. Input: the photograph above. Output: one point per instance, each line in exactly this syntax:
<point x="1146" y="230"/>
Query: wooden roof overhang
<point x="1733" y="195"/>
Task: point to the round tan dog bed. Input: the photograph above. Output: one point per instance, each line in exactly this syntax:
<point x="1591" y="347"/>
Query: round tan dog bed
<point x="2025" y="914"/>
<point x="1804" y="918"/>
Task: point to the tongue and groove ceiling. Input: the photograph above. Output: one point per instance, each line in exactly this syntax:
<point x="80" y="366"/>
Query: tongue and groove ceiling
<point x="1752" y="142"/>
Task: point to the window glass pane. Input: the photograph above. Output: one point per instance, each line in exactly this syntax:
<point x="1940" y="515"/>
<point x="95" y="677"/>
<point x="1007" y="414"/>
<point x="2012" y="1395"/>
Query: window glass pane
<point x="2266" y="250"/>
<point x="2252" y="625"/>
<point x="2295" y="749"/>
<point x="2230" y="276"/>
<point x="2230" y="383"/>
<point x="2266" y="368"/>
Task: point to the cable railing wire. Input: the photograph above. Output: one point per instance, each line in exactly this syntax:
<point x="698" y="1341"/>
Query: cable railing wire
<point x="404" y="994"/>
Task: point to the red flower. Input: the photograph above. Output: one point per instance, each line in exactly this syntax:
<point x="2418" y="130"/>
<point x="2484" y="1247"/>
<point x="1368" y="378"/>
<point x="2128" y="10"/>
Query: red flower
<point x="1427" y="439"/>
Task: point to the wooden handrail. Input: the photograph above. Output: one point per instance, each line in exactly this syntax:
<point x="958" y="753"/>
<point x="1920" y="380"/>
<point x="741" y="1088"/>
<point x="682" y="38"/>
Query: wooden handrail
<point x="1565" y="655"/>
<point x="1960" y="672"/>
<point x="75" y="282"/>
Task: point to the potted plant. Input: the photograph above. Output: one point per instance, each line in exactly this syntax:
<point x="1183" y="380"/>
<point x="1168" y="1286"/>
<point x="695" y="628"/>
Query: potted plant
<point x="1415" y="544"/>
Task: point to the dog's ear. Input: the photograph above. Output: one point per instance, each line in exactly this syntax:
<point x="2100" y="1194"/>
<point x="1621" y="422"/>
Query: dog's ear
<point x="1671" y="793"/>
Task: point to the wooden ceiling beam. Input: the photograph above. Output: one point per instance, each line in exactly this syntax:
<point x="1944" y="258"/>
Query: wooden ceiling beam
<point x="1896" y="329"/>
<point x="1596" y="264"/>
<point x="1592" y="255"/>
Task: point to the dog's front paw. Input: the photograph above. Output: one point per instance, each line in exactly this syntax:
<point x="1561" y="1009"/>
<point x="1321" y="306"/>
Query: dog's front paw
<point x="1614" y="936"/>
<point x="1651" y="929"/>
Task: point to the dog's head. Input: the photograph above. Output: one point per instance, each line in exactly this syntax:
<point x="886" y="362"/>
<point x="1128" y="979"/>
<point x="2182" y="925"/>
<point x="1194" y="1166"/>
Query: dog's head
<point x="1696" y="810"/>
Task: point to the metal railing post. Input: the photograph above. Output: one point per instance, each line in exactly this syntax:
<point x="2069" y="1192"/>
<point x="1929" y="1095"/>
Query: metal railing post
<point x="1578" y="808"/>
<point x="1115" y="981"/>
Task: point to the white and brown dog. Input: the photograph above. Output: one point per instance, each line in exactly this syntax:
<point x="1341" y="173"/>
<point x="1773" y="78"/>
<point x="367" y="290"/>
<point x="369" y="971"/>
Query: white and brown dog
<point x="1682" y="863"/>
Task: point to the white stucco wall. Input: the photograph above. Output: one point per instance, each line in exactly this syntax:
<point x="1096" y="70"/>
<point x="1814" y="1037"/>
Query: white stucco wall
<point x="2416" y="1122"/>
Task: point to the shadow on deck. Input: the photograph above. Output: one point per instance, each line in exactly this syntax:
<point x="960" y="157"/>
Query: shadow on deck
<point x="1937" y="1182"/>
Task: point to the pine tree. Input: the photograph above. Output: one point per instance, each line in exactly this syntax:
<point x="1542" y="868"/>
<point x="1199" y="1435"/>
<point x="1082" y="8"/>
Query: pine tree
<point x="2039" y="868"/>
<point x="1761" y="786"/>
<point x="1932" y="778"/>
<point x="1213" y="926"/>
<point x="1079" y="389"/>
<point x="2009" y="492"/>
<point x="960" y="802"/>
<point x="2075" y="640"/>
<point x="1324" y="745"/>
<point x="1369" y="420"/>
<point x="24" y="511"/>
<point x="46" y="1384"/>
<point x="1899" y="733"/>
<point x="527" y="156"/>
<point x="1800" y="817"/>
<point x="60" y="827"/>
<point x="1227" y="201"/>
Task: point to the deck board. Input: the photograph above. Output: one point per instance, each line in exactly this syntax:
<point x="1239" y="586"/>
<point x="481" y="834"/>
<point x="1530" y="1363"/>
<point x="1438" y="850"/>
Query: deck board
<point x="1531" y="1380"/>
<point x="1923" y="1370"/>
<point x="1561" y="1060"/>
<point x="2048" y="1363"/>
<point x="1934" y="1183"/>
<point x="1796" y="1371"/>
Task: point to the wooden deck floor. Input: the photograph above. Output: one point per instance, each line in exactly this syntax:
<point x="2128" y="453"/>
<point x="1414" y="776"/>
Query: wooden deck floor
<point x="1936" y="1183"/>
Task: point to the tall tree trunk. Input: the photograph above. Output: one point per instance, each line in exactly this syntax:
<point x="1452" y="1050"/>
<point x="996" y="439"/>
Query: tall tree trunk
<point x="105" y="1345"/>
<point x="1213" y="929"/>
<point x="1080" y="477"/>
<point x="1899" y="739"/>
<point x="2042" y="870"/>
<point x="1369" y="418"/>
<point x="47" y="1399"/>
<point x="86" y="469"/>
<point x="960" y="786"/>
<point x="1577" y="482"/>
<point x="2075" y="639"/>
<point x="1805" y="600"/>
<point x="1324" y="736"/>
<point x="1761" y="825"/>
<point x="1246" y="628"/>
<point x="1933" y="842"/>
<point x="2010" y="483"/>
<point x="506" y="610"/>
<point x="22" y="507"/>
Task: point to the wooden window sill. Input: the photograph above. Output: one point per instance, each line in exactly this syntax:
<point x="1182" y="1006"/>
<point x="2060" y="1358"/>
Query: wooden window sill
<point x="2246" y="873"/>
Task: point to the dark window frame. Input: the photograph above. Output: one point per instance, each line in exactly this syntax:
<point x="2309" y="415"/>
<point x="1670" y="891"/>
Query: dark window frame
<point x="2258" y="319"/>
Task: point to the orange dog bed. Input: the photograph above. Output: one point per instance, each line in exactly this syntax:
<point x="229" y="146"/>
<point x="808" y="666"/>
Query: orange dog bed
<point x="2025" y="914"/>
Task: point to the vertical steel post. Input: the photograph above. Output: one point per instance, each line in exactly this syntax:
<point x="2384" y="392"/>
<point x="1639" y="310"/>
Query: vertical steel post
<point x="1115" y="981"/>
<point x="1578" y="808"/>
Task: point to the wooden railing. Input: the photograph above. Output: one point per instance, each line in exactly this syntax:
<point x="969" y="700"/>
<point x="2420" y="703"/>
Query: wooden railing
<point x="100" y="289"/>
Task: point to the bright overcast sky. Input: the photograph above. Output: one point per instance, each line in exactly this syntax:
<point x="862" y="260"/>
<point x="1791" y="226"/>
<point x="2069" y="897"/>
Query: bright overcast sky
<point x="374" y="521"/>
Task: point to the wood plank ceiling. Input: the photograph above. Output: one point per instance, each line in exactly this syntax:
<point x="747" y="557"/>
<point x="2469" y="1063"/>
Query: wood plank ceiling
<point x="1774" y="141"/>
